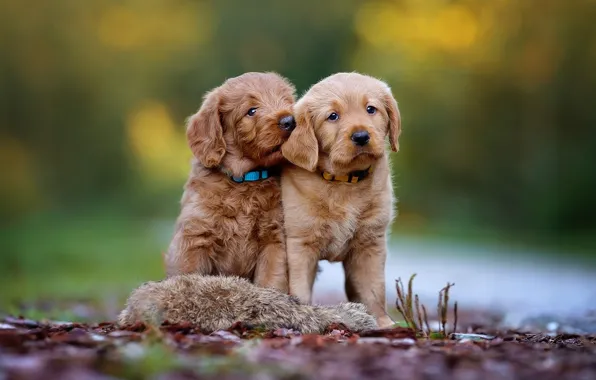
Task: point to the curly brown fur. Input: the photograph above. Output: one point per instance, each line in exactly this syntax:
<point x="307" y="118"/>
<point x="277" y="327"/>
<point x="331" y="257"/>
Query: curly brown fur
<point x="216" y="302"/>
<point x="340" y="221"/>
<point x="233" y="228"/>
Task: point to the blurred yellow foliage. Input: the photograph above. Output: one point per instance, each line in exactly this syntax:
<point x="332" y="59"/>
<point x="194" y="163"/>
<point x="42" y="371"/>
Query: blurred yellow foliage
<point x="418" y="26"/>
<point x="133" y="25"/>
<point x="158" y="146"/>
<point x="94" y="92"/>
<point x="460" y="35"/>
<point x="537" y="64"/>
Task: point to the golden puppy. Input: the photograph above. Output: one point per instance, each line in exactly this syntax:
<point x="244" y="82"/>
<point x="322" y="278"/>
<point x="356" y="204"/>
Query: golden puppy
<point x="339" y="198"/>
<point x="231" y="220"/>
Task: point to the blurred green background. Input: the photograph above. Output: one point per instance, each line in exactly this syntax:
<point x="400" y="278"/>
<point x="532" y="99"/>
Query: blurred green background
<point x="498" y="100"/>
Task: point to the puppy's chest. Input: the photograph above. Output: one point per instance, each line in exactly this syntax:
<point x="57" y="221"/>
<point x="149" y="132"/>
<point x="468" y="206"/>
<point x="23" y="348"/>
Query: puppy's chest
<point x="253" y="200"/>
<point x="338" y="225"/>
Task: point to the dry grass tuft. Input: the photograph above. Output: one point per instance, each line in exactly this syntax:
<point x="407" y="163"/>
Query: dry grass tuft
<point x="415" y="314"/>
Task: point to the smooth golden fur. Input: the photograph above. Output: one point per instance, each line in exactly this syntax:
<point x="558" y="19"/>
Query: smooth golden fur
<point x="235" y="228"/>
<point x="216" y="302"/>
<point x="338" y="221"/>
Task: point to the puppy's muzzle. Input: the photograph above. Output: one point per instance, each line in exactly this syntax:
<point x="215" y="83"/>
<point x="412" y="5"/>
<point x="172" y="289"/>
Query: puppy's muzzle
<point x="360" y="138"/>
<point x="287" y="123"/>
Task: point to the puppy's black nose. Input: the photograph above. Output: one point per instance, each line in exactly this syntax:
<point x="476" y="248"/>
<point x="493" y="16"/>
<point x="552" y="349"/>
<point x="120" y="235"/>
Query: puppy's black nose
<point x="360" y="138"/>
<point x="287" y="123"/>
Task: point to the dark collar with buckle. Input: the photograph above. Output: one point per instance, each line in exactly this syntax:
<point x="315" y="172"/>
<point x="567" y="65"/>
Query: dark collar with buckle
<point x="258" y="174"/>
<point x="352" y="177"/>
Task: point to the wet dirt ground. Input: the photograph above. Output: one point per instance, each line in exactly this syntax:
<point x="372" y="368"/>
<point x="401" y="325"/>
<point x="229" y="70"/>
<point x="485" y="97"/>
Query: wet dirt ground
<point x="34" y="350"/>
<point x="533" y="319"/>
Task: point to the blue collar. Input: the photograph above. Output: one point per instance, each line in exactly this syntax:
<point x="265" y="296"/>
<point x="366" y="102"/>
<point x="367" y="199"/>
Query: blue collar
<point x="252" y="176"/>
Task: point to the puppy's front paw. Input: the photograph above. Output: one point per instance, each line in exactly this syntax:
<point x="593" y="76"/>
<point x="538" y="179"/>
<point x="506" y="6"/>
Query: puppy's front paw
<point x="385" y="322"/>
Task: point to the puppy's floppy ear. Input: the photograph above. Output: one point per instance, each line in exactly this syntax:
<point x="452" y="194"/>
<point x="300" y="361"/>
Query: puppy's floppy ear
<point x="302" y="148"/>
<point x="204" y="132"/>
<point x="394" y="119"/>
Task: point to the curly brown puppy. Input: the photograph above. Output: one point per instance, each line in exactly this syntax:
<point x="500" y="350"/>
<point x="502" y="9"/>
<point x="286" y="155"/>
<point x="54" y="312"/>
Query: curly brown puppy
<point x="339" y="195"/>
<point x="216" y="302"/>
<point x="231" y="218"/>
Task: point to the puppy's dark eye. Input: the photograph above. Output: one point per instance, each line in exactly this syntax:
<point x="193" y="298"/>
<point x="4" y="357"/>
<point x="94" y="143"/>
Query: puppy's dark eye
<point x="334" y="116"/>
<point x="252" y="111"/>
<point x="371" y="110"/>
